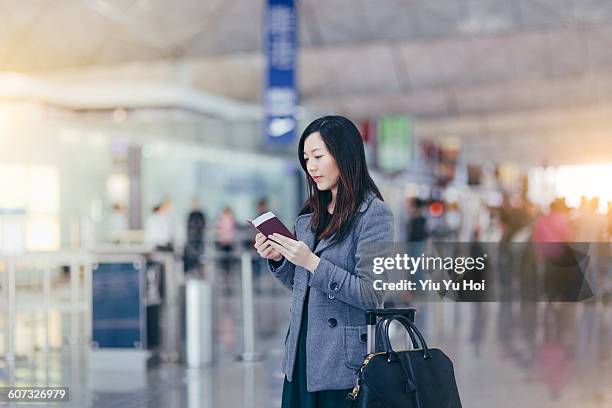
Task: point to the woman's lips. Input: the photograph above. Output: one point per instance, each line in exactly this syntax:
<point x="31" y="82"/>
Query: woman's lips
<point x="317" y="178"/>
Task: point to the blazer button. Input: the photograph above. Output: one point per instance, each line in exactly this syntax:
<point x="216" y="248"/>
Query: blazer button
<point x="363" y="337"/>
<point x="330" y="297"/>
<point x="332" y="322"/>
<point x="334" y="286"/>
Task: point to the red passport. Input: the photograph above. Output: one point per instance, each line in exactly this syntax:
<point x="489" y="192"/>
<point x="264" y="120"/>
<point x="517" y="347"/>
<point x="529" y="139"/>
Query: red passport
<point x="268" y="224"/>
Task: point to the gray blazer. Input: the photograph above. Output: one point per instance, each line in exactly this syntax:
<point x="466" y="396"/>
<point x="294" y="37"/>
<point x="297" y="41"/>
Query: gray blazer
<point x="340" y="290"/>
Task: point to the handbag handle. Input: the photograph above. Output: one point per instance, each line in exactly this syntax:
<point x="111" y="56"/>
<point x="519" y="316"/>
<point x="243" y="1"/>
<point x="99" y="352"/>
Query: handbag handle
<point x="404" y="363"/>
<point x="410" y="327"/>
<point x="380" y="332"/>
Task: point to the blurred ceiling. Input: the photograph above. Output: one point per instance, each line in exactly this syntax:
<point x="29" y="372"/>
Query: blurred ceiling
<point x="531" y="73"/>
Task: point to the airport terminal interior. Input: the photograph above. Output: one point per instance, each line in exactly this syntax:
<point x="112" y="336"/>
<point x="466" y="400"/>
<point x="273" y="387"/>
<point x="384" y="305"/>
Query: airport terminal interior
<point x="137" y="137"/>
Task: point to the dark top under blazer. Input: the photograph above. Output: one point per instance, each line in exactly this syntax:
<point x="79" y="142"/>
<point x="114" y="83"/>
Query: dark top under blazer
<point x="340" y="290"/>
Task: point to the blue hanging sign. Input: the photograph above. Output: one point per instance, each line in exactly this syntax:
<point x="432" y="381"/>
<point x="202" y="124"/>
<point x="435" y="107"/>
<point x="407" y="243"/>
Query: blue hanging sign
<point x="280" y="96"/>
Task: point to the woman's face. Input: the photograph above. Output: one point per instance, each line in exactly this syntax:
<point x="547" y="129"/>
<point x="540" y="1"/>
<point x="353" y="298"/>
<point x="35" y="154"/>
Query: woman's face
<point x="320" y="164"/>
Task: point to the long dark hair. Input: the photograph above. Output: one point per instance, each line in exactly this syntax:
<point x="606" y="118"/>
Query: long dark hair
<point x="344" y="143"/>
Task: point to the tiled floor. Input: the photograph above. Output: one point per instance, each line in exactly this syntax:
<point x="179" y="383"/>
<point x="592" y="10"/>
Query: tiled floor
<point x="501" y="361"/>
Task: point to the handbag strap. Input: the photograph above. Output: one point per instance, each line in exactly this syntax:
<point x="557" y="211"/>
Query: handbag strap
<point x="392" y="356"/>
<point x="410" y="327"/>
<point x="380" y="332"/>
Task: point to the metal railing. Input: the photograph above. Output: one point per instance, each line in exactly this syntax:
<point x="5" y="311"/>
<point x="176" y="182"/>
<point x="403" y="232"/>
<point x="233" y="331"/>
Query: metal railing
<point x="39" y="283"/>
<point x="41" y="265"/>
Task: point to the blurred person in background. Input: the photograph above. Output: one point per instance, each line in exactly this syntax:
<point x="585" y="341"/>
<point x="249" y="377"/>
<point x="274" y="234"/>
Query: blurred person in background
<point x="159" y="228"/>
<point x="555" y="226"/>
<point x="226" y="240"/>
<point x="555" y="355"/>
<point x="488" y="222"/>
<point x="514" y="218"/>
<point x="416" y="227"/>
<point x="528" y="288"/>
<point x="453" y="221"/>
<point x="480" y="315"/>
<point x="194" y="247"/>
<point x="262" y="206"/>
<point x="589" y="225"/>
<point x="551" y="234"/>
<point x="417" y="233"/>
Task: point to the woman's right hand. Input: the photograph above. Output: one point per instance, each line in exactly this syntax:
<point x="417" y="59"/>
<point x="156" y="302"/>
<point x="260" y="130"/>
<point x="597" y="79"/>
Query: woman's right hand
<point x="265" y="250"/>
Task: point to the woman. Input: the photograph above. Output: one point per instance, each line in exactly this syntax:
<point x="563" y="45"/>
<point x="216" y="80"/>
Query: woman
<point x="327" y="268"/>
<point x="226" y="232"/>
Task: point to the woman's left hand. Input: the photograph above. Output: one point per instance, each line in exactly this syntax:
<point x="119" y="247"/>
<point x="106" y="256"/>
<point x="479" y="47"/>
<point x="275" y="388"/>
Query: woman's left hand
<point x="296" y="252"/>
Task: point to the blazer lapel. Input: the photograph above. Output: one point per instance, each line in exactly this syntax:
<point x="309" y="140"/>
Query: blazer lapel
<point x="323" y="244"/>
<point x="306" y="235"/>
<point x="329" y="241"/>
<point x="309" y="239"/>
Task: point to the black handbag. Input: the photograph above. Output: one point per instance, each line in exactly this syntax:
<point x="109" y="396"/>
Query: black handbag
<point x="419" y="378"/>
